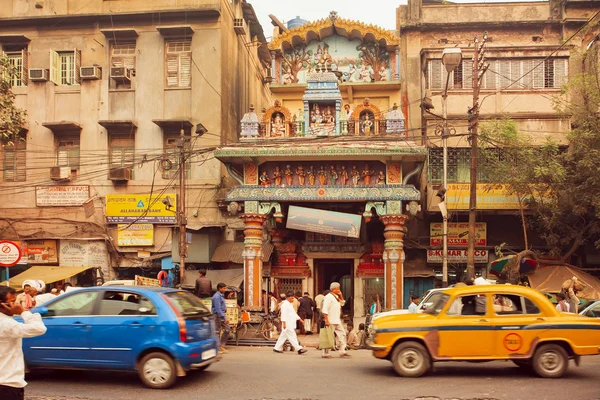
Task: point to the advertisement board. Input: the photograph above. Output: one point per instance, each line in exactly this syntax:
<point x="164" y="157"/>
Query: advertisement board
<point x="321" y="221"/>
<point x="61" y="196"/>
<point x="490" y="196"/>
<point x="141" y="208"/>
<point x="458" y="234"/>
<point x="135" y="235"/>
<point x="42" y="252"/>
<point x="457" y="256"/>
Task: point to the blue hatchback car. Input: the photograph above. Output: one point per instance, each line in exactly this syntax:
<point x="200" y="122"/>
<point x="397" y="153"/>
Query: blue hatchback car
<point x="161" y="333"/>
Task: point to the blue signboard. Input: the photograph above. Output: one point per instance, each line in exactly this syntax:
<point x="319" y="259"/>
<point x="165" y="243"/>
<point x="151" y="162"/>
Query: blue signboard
<point x="321" y="221"/>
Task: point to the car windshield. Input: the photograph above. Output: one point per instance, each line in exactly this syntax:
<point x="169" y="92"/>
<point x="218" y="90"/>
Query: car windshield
<point x="438" y="303"/>
<point x="430" y="300"/>
<point x="187" y="304"/>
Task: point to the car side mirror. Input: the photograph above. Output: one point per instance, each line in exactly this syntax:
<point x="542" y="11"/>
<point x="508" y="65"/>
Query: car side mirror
<point x="42" y="310"/>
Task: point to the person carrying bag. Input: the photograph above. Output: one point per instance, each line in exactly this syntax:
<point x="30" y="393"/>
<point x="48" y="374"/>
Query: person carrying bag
<point x="326" y="339"/>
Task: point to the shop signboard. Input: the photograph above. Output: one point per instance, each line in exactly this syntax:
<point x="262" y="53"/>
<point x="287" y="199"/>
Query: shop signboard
<point x="321" y="221"/>
<point x="61" y="196"/>
<point x="490" y="196"/>
<point x="457" y="256"/>
<point x="42" y="252"/>
<point x="141" y="208"/>
<point x="458" y="234"/>
<point x="135" y="235"/>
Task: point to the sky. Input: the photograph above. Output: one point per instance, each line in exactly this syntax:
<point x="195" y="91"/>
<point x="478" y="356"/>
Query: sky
<point x="377" y="12"/>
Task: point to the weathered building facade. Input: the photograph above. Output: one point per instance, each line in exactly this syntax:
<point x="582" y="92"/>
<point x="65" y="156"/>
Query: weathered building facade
<point x="528" y="50"/>
<point x="109" y="87"/>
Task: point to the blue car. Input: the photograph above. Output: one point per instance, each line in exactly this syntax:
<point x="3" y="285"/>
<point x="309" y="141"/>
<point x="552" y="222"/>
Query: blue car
<point x="161" y="333"/>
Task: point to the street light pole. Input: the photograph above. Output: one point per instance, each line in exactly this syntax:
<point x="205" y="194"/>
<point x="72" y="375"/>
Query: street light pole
<point x="182" y="217"/>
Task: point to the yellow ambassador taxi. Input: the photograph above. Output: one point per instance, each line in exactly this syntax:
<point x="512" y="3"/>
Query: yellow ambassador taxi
<point x="485" y="323"/>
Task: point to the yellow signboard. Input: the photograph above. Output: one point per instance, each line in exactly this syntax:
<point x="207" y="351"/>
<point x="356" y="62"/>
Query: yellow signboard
<point x="141" y="208"/>
<point x="490" y="196"/>
<point x="458" y="234"/>
<point x="135" y="235"/>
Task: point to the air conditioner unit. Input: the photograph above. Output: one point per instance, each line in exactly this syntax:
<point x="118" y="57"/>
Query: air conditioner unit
<point x="39" y="75"/>
<point x="121" y="74"/>
<point x="239" y="26"/>
<point x="119" y="174"/>
<point x="60" y="173"/>
<point x="90" y="73"/>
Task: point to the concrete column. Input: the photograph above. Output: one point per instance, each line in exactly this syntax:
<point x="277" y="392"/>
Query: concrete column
<point x="396" y="76"/>
<point x="253" y="235"/>
<point x="393" y="258"/>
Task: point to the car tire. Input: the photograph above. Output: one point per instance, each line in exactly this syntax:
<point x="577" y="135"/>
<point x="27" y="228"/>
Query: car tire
<point x="157" y="371"/>
<point x="411" y="359"/>
<point x="550" y="361"/>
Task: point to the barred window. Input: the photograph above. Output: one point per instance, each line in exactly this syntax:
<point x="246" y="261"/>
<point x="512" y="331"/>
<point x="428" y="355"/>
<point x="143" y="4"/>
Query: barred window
<point x="122" y="151"/>
<point x="178" y="63"/>
<point x="67" y="152"/>
<point x="17" y="60"/>
<point x="459" y="165"/>
<point x="64" y="67"/>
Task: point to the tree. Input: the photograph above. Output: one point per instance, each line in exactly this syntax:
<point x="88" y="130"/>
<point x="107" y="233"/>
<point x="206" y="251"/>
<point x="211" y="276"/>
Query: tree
<point x="374" y="56"/>
<point x="296" y="60"/>
<point x="12" y="118"/>
<point x="559" y="185"/>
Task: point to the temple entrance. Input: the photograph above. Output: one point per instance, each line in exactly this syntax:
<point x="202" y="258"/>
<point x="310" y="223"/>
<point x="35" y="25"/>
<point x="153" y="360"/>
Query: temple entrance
<point x="337" y="270"/>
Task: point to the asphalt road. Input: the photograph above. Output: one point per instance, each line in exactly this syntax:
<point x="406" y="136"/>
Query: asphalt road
<point x="258" y="374"/>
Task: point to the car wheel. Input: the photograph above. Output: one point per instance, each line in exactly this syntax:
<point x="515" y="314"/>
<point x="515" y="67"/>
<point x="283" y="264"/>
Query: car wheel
<point x="157" y="371"/>
<point x="410" y="359"/>
<point x="550" y="361"/>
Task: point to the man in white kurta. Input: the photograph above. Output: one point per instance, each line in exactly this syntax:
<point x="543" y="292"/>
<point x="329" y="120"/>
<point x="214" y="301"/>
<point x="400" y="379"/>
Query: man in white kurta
<point x="288" y="326"/>
<point x="332" y="313"/>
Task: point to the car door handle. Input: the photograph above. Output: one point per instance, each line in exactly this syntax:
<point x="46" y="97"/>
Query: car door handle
<point x="540" y="319"/>
<point x="483" y="320"/>
<point x="135" y="324"/>
<point x="78" y="324"/>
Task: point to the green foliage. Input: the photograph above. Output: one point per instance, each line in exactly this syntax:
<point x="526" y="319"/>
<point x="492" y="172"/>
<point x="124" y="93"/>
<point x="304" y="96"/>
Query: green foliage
<point x="12" y="119"/>
<point x="559" y="185"/>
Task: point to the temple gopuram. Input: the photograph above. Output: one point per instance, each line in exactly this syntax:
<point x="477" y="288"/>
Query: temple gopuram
<point x="328" y="178"/>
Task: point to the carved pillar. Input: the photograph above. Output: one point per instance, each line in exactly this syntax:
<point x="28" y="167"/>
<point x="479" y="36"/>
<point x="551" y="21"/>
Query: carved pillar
<point x="273" y="66"/>
<point x="253" y="237"/>
<point x="393" y="258"/>
<point x="396" y="76"/>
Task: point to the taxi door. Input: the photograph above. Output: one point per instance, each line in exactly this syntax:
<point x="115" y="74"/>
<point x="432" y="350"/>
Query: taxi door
<point x="515" y="319"/>
<point x="466" y="329"/>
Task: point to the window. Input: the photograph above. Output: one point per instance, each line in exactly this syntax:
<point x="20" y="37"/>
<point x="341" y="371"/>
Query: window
<point x="178" y="63"/>
<point x="172" y="153"/>
<point x="79" y="303"/>
<point x="14" y="161"/>
<point x="67" y="152"/>
<point x="593" y="312"/>
<point x="123" y="303"/>
<point x="459" y="165"/>
<point x="468" y="305"/>
<point x="510" y="304"/>
<point x="122" y="150"/>
<point x="64" y="67"/>
<point x="123" y="55"/>
<point x="460" y="78"/>
<point x="187" y="304"/>
<point x="18" y="63"/>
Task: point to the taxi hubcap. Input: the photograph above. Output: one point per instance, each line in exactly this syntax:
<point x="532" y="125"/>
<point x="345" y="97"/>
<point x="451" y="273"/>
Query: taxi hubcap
<point x="411" y="359"/>
<point x="157" y="370"/>
<point x="551" y="361"/>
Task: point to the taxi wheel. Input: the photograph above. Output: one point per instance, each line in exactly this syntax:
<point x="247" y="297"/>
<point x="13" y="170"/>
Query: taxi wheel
<point x="550" y="361"/>
<point x="410" y="359"/>
<point x="157" y="371"/>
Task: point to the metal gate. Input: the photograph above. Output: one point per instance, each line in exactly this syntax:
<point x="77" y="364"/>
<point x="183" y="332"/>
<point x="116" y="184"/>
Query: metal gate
<point x="371" y="288"/>
<point x="284" y="285"/>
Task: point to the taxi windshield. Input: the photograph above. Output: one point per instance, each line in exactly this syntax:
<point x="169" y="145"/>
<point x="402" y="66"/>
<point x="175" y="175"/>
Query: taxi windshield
<point x="438" y="303"/>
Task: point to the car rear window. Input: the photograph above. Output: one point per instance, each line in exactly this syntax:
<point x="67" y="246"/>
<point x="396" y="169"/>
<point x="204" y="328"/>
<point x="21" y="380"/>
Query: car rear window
<point x="187" y="304"/>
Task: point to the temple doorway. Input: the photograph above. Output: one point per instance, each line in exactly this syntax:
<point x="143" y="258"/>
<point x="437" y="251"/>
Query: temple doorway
<point x="337" y="270"/>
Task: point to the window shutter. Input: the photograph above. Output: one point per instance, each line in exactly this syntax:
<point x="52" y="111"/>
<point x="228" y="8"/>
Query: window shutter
<point x="435" y="74"/>
<point x="560" y="71"/>
<point x="54" y="67"/>
<point x="24" y="68"/>
<point x="515" y="73"/>
<point x="505" y="75"/>
<point x="5" y="75"/>
<point x="62" y="158"/>
<point x="527" y="80"/>
<point x="538" y="73"/>
<point x="172" y="70"/>
<point x="467" y="66"/>
<point x="117" y="62"/>
<point x="77" y="62"/>
<point x="185" y="73"/>
<point x="490" y="78"/>
<point x="20" y="164"/>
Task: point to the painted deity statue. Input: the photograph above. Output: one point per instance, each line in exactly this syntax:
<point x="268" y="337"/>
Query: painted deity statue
<point x="311" y="175"/>
<point x="367" y="125"/>
<point x="329" y="119"/>
<point x="322" y="176"/>
<point x="287" y="78"/>
<point x="383" y="73"/>
<point x="316" y="117"/>
<point x="355" y="173"/>
<point x="289" y="175"/>
<point x="365" y="73"/>
<point x="333" y="175"/>
<point x="381" y="178"/>
<point x="264" y="179"/>
<point x="343" y="176"/>
<point x="366" y="174"/>
<point x="277" y="126"/>
<point x="277" y="176"/>
<point x="301" y="175"/>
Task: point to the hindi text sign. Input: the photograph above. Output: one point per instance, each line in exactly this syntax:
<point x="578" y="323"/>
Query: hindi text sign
<point x="61" y="196"/>
<point x="135" y="235"/>
<point x="458" y="234"/>
<point x="140" y="208"/>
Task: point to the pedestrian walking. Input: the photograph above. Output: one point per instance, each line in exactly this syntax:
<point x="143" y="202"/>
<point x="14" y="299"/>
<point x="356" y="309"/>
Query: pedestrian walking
<point x="289" y="317"/>
<point x="414" y="301"/>
<point x="332" y="313"/>
<point x="562" y="305"/>
<point x="203" y="285"/>
<point x="12" y="365"/>
<point x="305" y="311"/>
<point x="219" y="308"/>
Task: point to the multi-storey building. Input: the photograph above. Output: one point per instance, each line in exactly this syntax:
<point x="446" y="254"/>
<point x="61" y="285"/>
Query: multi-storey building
<point x="528" y="50"/>
<point x="109" y="87"/>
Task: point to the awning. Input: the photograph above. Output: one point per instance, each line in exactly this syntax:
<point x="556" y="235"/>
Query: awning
<point x="46" y="274"/>
<point x="550" y="278"/>
<point x="230" y="277"/>
<point x="412" y="269"/>
<point x="232" y="252"/>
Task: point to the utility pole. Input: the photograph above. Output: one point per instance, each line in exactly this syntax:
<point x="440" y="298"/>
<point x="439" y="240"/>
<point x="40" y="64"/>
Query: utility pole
<point x="479" y="68"/>
<point x="181" y="213"/>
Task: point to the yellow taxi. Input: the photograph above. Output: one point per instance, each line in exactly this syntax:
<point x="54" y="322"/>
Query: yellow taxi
<point x="485" y="323"/>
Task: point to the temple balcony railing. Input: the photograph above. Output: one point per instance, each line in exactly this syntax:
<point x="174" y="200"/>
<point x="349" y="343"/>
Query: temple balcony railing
<point x="299" y="129"/>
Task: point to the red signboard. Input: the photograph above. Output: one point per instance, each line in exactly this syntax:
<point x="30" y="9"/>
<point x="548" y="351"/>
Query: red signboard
<point x="10" y="254"/>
